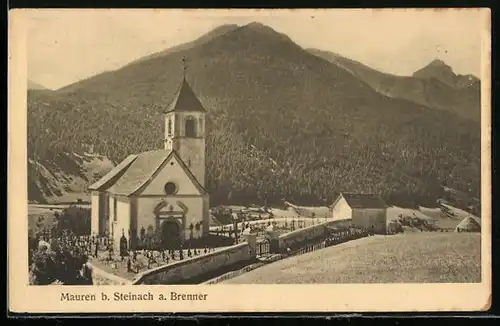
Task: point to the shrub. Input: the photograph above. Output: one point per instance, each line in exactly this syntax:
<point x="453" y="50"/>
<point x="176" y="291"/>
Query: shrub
<point x="394" y="227"/>
<point x="74" y="219"/>
<point x="61" y="262"/>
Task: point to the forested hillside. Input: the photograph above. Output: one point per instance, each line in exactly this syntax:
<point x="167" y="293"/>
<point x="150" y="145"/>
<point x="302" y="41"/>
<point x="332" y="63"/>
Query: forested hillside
<point x="282" y="123"/>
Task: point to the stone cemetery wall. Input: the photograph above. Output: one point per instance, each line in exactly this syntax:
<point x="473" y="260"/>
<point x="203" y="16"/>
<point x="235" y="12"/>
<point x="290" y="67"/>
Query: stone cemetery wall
<point x="310" y="232"/>
<point x="196" y="266"/>
<point x="100" y="277"/>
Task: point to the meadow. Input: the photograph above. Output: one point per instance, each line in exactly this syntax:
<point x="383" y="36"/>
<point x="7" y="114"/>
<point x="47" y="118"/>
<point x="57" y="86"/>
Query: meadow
<point x="42" y="216"/>
<point x="423" y="257"/>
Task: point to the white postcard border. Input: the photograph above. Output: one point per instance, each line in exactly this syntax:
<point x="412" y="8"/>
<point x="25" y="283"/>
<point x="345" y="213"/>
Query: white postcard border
<point x="226" y="298"/>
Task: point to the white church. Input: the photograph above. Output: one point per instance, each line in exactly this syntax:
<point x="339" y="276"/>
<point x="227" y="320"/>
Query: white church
<point x="163" y="189"/>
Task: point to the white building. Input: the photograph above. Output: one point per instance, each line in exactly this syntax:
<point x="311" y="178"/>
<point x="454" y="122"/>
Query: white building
<point x="366" y="210"/>
<point x="160" y="190"/>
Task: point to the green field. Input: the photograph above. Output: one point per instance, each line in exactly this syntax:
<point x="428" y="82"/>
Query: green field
<point x="404" y="258"/>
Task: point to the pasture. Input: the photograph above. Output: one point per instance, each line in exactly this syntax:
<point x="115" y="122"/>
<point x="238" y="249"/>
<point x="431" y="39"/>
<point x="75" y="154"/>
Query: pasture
<point x="41" y="216"/>
<point x="433" y="216"/>
<point x="423" y="257"/>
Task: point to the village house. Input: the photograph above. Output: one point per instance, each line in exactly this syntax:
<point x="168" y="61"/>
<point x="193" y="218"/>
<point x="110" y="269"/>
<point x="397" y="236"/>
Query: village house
<point x="367" y="211"/>
<point x="160" y="191"/>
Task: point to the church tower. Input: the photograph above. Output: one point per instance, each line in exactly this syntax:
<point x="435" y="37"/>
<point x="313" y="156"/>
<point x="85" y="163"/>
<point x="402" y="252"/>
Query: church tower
<point x="185" y="129"/>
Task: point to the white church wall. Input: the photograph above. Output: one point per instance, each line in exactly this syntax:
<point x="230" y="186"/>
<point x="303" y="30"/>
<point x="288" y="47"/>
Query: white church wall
<point x="123" y="213"/>
<point x="94" y="222"/>
<point x="104" y="212"/>
<point x="170" y="173"/>
<point x="122" y="221"/>
<point x="111" y="211"/>
<point x="192" y="152"/>
<point x="147" y="205"/>
<point x="191" y="149"/>
<point x="145" y="212"/>
<point x="194" y="215"/>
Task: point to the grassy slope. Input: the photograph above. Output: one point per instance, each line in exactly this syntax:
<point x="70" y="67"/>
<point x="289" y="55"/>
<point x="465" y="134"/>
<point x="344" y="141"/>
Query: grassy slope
<point x="66" y="178"/>
<point x="432" y="215"/>
<point x="39" y="218"/>
<point x="407" y="258"/>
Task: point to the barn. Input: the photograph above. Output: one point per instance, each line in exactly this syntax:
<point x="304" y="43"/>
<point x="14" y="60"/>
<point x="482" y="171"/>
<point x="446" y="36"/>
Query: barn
<point x="366" y="210"/>
<point x="469" y="224"/>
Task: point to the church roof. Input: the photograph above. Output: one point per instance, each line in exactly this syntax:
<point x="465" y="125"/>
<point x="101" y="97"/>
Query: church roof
<point x="360" y="200"/>
<point x="107" y="180"/>
<point x="185" y="100"/>
<point x="134" y="175"/>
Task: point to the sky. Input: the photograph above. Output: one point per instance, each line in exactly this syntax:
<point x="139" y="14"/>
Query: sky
<point x="68" y="45"/>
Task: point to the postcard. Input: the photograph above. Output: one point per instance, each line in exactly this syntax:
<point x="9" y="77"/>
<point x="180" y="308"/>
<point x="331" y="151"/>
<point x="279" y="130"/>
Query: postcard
<point x="239" y="160"/>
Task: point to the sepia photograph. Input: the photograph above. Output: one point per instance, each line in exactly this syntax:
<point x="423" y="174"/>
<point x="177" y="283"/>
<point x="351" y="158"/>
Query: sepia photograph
<point x="244" y="147"/>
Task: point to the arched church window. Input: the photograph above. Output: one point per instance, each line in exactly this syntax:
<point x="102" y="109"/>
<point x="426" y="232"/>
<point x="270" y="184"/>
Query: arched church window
<point x="170" y="126"/>
<point x="190" y="127"/>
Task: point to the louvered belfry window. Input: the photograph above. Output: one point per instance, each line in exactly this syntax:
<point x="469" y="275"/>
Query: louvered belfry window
<point x="190" y="127"/>
<point x="115" y="217"/>
<point x="170" y="127"/>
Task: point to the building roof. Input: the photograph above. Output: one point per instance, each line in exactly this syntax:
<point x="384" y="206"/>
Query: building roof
<point x="139" y="172"/>
<point x="359" y="200"/>
<point x="185" y="100"/>
<point x="309" y="211"/>
<point x="135" y="172"/>
<point x="110" y="178"/>
<point x="469" y="224"/>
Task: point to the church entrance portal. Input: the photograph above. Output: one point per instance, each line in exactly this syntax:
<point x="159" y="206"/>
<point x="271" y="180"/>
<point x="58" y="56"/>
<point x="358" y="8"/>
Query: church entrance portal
<point x="170" y="235"/>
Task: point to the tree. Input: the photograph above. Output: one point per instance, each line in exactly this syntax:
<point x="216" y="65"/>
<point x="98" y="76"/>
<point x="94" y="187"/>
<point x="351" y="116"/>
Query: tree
<point x="62" y="262"/>
<point x="74" y="219"/>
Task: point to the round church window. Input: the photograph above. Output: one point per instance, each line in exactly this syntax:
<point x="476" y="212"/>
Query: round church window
<point x="170" y="188"/>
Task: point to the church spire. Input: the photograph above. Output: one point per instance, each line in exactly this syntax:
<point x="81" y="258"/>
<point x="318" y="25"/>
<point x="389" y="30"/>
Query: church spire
<point x="185" y="99"/>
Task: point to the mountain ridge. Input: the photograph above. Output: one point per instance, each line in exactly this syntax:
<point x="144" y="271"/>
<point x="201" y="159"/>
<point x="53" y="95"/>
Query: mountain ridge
<point x="429" y="86"/>
<point x="323" y="129"/>
<point x="32" y="85"/>
<point x="443" y="72"/>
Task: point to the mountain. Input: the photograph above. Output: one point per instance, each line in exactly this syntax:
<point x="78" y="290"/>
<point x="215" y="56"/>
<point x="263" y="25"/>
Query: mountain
<point x="441" y="71"/>
<point x="35" y="86"/>
<point x="221" y="30"/>
<point x="64" y="177"/>
<point x="282" y="123"/>
<point x="435" y="86"/>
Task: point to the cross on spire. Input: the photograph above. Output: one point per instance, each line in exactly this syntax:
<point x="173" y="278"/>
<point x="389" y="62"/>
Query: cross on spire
<point x="184" y="65"/>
